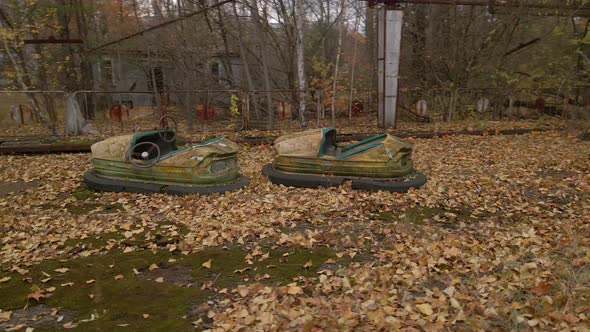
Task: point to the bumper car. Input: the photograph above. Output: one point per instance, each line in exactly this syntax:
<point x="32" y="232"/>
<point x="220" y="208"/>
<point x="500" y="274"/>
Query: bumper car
<point x="312" y="159"/>
<point x="151" y="162"/>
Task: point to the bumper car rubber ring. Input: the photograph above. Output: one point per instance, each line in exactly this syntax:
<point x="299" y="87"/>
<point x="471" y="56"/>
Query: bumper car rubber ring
<point x="402" y="184"/>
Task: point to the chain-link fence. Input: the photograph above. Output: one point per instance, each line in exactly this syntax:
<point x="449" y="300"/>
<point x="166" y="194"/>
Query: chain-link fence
<point x="118" y="112"/>
<point x="493" y="104"/>
<point x="129" y="111"/>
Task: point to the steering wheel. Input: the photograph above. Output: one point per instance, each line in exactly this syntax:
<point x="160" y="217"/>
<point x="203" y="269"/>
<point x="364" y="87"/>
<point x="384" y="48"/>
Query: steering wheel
<point x="139" y="154"/>
<point x="167" y="132"/>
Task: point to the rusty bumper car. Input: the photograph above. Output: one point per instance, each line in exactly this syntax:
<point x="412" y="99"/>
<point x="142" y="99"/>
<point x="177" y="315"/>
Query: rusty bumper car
<point x="151" y="162"/>
<point x="313" y="159"/>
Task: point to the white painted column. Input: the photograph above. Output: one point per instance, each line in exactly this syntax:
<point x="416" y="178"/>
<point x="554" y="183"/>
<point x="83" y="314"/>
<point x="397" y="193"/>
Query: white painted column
<point x="380" y="62"/>
<point x="389" y="33"/>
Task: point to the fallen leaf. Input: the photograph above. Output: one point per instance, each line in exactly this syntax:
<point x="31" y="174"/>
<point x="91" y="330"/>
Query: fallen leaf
<point x="37" y="296"/>
<point x="207" y="264"/>
<point x="5" y="316"/>
<point x="541" y="289"/>
<point x="153" y="267"/>
<point x="90" y="281"/>
<point x="62" y="270"/>
<point x="5" y="279"/>
<point x="293" y="289"/>
<point x="119" y="277"/>
<point x="160" y="279"/>
<point x="70" y="325"/>
<point x="425" y="309"/>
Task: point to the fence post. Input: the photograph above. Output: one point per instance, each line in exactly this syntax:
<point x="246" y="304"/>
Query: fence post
<point x="452" y="105"/>
<point x="245" y="110"/>
<point x="270" y="112"/>
<point x="318" y="108"/>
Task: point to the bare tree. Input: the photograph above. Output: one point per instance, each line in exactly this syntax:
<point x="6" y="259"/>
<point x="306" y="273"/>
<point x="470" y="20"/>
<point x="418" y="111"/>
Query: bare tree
<point x="300" y="17"/>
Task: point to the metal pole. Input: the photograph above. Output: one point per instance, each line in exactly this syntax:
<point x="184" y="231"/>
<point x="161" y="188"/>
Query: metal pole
<point x="380" y="64"/>
<point x="389" y="36"/>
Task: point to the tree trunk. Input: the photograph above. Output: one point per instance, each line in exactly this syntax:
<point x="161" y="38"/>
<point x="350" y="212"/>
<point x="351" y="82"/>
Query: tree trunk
<point x="244" y="59"/>
<point x="23" y="77"/>
<point x="370" y="27"/>
<point x="300" y="17"/>
<point x="336" y="67"/>
<point x="262" y="40"/>
<point x="352" y="65"/>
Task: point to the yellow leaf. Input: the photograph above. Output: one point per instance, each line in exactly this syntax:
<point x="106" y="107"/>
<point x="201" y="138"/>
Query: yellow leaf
<point x="4" y="279"/>
<point x="5" y="316"/>
<point x="207" y="264"/>
<point x="425" y="308"/>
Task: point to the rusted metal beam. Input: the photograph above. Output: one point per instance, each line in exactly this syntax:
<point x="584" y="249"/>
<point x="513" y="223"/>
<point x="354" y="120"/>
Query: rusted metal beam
<point x="582" y="5"/>
<point x="51" y="40"/>
<point x="184" y="17"/>
<point x="44" y="149"/>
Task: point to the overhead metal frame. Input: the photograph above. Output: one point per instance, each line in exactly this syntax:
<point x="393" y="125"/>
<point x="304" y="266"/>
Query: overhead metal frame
<point x="581" y="8"/>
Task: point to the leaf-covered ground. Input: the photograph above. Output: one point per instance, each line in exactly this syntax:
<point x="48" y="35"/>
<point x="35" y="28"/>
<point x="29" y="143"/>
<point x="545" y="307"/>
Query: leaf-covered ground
<point x="498" y="239"/>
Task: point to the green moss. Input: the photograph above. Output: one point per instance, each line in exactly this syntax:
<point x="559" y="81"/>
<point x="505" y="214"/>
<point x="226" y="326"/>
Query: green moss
<point x="281" y="266"/>
<point x="181" y="141"/>
<point x="126" y="300"/>
<point x="85" y="208"/>
<point x="419" y="215"/>
<point x="83" y="193"/>
<point x="97" y="241"/>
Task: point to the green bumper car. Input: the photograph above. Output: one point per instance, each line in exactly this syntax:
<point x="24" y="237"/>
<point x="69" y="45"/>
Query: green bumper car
<point x="313" y="159"/>
<point x="151" y="162"/>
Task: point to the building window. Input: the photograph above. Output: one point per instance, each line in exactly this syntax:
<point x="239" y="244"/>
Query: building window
<point x="215" y="69"/>
<point x="107" y="70"/>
